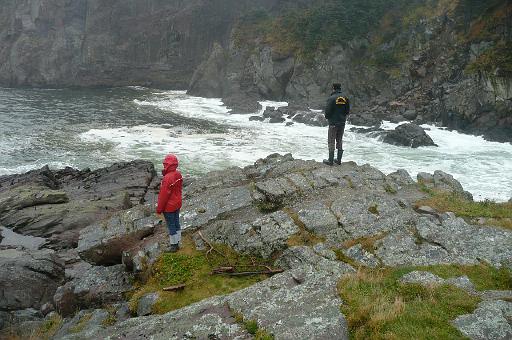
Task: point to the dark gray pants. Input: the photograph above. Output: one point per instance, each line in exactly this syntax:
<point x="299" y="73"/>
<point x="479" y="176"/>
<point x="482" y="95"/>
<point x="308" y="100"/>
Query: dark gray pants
<point x="335" y="137"/>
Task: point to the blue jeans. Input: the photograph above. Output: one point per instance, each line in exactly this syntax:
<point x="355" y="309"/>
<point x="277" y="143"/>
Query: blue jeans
<point x="173" y="221"/>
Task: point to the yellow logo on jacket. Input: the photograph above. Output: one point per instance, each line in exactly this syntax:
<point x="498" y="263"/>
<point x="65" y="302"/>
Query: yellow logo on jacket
<point x="341" y="101"/>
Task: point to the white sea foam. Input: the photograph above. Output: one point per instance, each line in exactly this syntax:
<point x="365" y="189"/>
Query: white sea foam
<point x="484" y="168"/>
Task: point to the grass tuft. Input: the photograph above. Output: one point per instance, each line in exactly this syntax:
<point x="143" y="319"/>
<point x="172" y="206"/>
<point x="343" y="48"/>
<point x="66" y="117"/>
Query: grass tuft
<point x="377" y="306"/>
<point x="252" y="327"/>
<point x="49" y="327"/>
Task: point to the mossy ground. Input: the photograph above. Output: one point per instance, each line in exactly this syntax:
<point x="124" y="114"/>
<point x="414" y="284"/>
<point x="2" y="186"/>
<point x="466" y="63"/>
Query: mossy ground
<point x="252" y="327"/>
<point x="377" y="306"/>
<point x="499" y="214"/>
<point x="193" y="268"/>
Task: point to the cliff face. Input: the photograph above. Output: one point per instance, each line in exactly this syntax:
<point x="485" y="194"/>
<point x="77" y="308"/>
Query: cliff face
<point x="435" y="68"/>
<point x="110" y="43"/>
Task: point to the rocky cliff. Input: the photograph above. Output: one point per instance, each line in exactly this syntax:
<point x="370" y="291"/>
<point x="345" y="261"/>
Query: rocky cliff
<point x="47" y="43"/>
<point x="311" y="231"/>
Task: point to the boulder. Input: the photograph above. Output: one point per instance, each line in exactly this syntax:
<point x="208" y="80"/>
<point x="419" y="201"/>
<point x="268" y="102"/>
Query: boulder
<point x="97" y="286"/>
<point x="28" y="278"/>
<point x="491" y="320"/>
<point x="208" y="319"/>
<point x="263" y="236"/>
<point x="410" y="114"/>
<point x="275" y="120"/>
<point x="104" y="243"/>
<point x="146" y="303"/>
<point x="256" y="118"/>
<point x="310" y="118"/>
<point x="410" y="135"/>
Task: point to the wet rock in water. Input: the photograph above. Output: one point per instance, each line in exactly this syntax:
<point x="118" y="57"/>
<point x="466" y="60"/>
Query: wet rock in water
<point x="241" y="104"/>
<point x="97" y="286"/>
<point x="256" y="118"/>
<point x="146" y="303"/>
<point x="310" y="118"/>
<point x="271" y="112"/>
<point x="410" y="135"/>
<point x="104" y="243"/>
<point x="410" y="114"/>
<point x="275" y="120"/>
<point x="28" y="278"/>
<point x="491" y="320"/>
<point x="365" y="119"/>
<point x="56" y="204"/>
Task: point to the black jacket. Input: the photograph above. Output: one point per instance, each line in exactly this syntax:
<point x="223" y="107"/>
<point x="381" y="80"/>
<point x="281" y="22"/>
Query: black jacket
<point x="337" y="109"/>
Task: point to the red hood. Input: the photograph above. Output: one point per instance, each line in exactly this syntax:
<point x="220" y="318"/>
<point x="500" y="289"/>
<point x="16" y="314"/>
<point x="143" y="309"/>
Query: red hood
<point x="170" y="163"/>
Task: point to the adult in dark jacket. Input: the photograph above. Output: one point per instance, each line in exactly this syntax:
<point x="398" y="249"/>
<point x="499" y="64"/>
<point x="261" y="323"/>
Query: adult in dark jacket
<point x="336" y="112"/>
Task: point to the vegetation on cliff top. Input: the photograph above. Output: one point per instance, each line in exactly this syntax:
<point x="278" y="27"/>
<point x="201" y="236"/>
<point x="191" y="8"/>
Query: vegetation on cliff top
<point x="378" y="306"/>
<point x="304" y="30"/>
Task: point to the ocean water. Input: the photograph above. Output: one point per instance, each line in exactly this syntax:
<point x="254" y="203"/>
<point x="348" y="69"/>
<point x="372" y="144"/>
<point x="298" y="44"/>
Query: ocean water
<point x="94" y="128"/>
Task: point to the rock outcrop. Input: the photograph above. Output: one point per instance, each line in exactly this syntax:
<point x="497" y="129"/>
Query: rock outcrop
<point x="314" y="222"/>
<point x="28" y="278"/>
<point x="57" y="204"/>
<point x="410" y="135"/>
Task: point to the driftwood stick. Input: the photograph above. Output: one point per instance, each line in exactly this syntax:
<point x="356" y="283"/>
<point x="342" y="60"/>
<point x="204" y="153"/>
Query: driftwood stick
<point x="266" y="272"/>
<point x="212" y="248"/>
<point x="174" y="288"/>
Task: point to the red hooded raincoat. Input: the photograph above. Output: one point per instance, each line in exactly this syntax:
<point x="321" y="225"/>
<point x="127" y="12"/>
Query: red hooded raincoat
<point x="169" y="198"/>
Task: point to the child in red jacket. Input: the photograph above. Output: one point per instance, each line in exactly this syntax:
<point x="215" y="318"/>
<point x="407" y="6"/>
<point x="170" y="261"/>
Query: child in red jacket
<point x="169" y="199"/>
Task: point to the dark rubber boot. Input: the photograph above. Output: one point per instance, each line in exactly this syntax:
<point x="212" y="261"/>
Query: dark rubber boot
<point x="174" y="248"/>
<point x="330" y="161"/>
<point x="340" y="155"/>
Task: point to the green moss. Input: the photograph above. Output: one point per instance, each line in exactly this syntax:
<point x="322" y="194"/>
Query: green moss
<point x="111" y="318"/>
<point x="193" y="268"/>
<point x="252" y="327"/>
<point x="374" y="209"/>
<point x="377" y="306"/>
<point x="389" y="189"/>
<point x="268" y="207"/>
